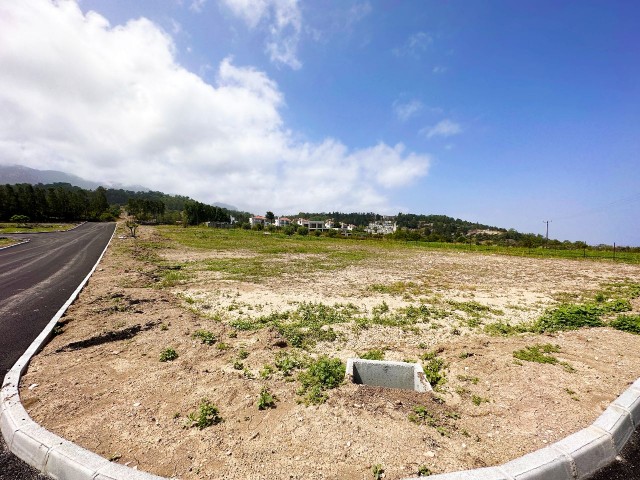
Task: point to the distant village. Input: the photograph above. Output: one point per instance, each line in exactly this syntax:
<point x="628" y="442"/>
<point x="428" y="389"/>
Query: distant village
<point x="384" y="226"/>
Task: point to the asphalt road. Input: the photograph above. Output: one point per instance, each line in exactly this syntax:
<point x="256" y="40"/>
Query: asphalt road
<point x="36" y="279"/>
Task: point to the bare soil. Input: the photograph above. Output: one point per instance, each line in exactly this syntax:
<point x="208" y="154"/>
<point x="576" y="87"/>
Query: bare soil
<point x="100" y="384"/>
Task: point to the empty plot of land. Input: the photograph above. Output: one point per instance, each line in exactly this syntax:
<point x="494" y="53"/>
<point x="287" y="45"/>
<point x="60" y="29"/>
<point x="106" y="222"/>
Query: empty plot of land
<point x="259" y="326"/>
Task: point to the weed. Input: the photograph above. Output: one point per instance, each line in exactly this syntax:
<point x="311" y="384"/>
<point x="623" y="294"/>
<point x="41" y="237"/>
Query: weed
<point x="205" y="336"/>
<point x="168" y="355"/>
<point x="423" y="471"/>
<point x="378" y="471"/>
<point x="572" y="317"/>
<point x="164" y="327"/>
<point x="243" y="354"/>
<point x="323" y="374"/>
<point x="246" y="373"/>
<point x="287" y="362"/>
<point x="238" y="365"/>
<point x="464" y="355"/>
<point x="266" y="371"/>
<point x="502" y="328"/>
<point x="421" y="415"/>
<point x="477" y="400"/>
<point x="627" y="323"/>
<point x="468" y="378"/>
<point x="572" y="394"/>
<point x="538" y="353"/>
<point x="266" y="399"/>
<point x="222" y="346"/>
<point x="206" y="415"/>
<point x="443" y="431"/>
<point x="433" y="369"/>
<point x="373" y="355"/>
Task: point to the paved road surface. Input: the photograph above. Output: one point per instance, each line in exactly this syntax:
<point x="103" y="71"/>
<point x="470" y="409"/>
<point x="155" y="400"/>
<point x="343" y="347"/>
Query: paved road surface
<point x="36" y="278"/>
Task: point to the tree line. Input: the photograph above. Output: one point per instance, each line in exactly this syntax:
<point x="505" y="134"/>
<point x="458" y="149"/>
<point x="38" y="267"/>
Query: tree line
<point x="57" y="202"/>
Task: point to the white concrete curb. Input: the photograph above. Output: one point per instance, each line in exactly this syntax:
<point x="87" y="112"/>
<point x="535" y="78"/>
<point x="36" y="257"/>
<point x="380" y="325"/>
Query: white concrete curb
<point x="575" y="457"/>
<point x="49" y="453"/>
<point x="26" y="240"/>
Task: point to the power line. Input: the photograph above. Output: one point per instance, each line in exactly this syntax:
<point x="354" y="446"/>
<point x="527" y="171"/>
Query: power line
<point x="630" y="199"/>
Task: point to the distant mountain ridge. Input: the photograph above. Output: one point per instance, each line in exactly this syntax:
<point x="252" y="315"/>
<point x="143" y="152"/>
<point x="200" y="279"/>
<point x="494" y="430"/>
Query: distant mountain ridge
<point x="12" y="174"/>
<point x="19" y="174"/>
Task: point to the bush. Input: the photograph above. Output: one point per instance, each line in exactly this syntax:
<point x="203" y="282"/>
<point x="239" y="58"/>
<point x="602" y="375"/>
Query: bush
<point x="627" y="323"/>
<point x="19" y="219"/>
<point x="168" y="355"/>
<point x="323" y="374"/>
<point x="303" y="231"/>
<point x="373" y="355"/>
<point x="206" y="415"/>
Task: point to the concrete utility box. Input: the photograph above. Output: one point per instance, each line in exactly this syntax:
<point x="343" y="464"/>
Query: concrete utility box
<point x="380" y="373"/>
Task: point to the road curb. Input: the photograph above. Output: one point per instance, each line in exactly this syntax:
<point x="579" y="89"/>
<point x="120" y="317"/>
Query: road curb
<point x="26" y="240"/>
<point x="40" y="448"/>
<point x="575" y="457"/>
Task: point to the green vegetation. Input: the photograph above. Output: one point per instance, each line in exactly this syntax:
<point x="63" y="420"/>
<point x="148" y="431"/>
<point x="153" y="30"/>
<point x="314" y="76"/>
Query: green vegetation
<point x="424" y="471"/>
<point x="205" y="336"/>
<point x="323" y="374"/>
<point x="206" y="416"/>
<point x="32" y="228"/>
<point x="378" y="471"/>
<point x="433" y="369"/>
<point x="478" y="400"/>
<point x="266" y="399"/>
<point x="538" y="353"/>
<point x="627" y="323"/>
<point x="288" y="361"/>
<point x="168" y="355"/>
<point x="615" y="298"/>
<point x="373" y="355"/>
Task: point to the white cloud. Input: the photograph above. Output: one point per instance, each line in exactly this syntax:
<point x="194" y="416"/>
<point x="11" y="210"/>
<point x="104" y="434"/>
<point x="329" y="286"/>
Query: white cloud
<point x="111" y="103"/>
<point x="197" y="5"/>
<point x="415" y="45"/>
<point x="404" y="111"/>
<point x="439" y="69"/>
<point x="283" y="22"/>
<point x="444" y="128"/>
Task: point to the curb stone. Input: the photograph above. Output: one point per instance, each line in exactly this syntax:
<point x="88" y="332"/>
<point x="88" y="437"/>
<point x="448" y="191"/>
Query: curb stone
<point x="26" y="240"/>
<point x="575" y="457"/>
<point x="572" y="458"/>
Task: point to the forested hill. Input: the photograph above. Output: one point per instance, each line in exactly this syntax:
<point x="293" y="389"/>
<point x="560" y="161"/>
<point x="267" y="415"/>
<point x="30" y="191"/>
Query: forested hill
<point x="63" y="201"/>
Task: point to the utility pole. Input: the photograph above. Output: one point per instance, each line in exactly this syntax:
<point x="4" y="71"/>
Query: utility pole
<point x="547" y="237"/>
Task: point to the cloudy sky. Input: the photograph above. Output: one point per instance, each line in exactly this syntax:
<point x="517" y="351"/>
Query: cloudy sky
<point x="507" y="113"/>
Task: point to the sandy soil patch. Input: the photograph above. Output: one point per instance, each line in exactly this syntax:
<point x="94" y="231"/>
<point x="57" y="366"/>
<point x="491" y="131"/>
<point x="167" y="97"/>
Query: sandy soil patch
<point x="112" y="395"/>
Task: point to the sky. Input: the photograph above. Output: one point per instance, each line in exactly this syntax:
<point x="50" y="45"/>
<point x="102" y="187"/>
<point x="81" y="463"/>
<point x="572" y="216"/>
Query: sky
<point x="506" y="113"/>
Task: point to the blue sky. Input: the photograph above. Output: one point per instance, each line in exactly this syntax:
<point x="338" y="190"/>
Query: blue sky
<point x="503" y="112"/>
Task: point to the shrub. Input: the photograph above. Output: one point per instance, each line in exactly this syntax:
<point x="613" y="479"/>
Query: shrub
<point x="206" y="415"/>
<point x="205" y="336"/>
<point x="266" y="399"/>
<point x="168" y="355"/>
<point x="373" y="355"/>
<point x="433" y="369"/>
<point x="627" y="323"/>
<point x="538" y="353"/>
<point x="323" y="374"/>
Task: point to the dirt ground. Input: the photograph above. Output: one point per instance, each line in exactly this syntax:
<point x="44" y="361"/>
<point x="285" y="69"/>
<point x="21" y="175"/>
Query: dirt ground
<point x="109" y="392"/>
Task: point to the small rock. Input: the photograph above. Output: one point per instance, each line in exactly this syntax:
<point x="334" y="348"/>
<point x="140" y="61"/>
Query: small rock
<point x="137" y="404"/>
<point x="430" y="454"/>
<point x="33" y="385"/>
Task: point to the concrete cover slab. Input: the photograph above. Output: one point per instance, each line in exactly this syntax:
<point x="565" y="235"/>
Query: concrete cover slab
<point x="382" y="373"/>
